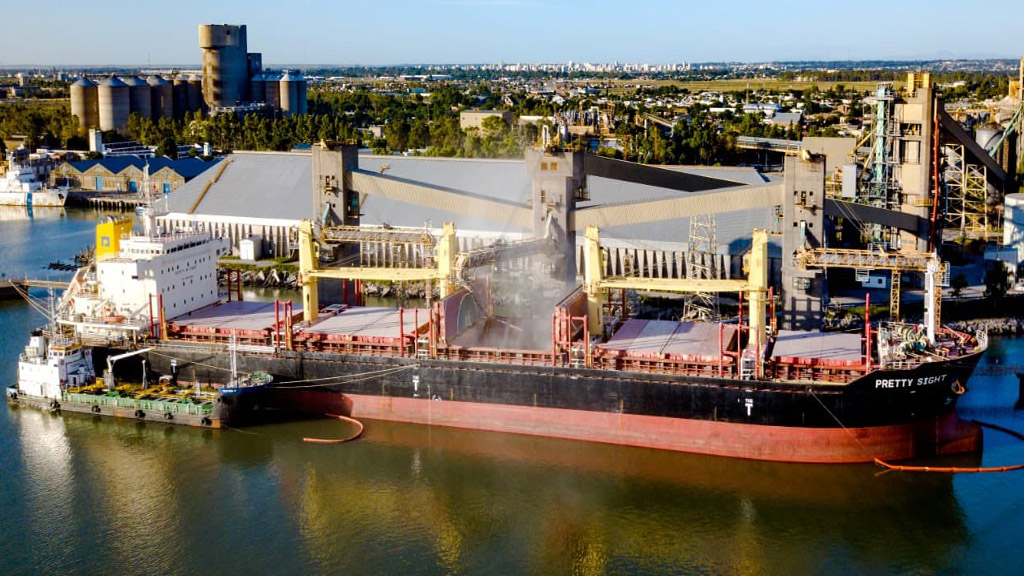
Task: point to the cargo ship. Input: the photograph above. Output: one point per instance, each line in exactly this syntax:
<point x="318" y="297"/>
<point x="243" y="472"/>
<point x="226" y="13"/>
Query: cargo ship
<point x="706" y="387"/>
<point x="585" y="367"/>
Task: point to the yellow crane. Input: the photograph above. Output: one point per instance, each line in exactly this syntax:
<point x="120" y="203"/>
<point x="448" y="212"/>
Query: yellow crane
<point x="310" y="270"/>
<point x="446" y="265"/>
<point x="596" y="285"/>
<point x="896" y="263"/>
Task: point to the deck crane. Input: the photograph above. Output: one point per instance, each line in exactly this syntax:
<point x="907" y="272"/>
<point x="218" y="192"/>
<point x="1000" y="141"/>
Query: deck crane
<point x="445" y="264"/>
<point x="896" y="262"/>
<point x="111" y="360"/>
<point x="596" y="284"/>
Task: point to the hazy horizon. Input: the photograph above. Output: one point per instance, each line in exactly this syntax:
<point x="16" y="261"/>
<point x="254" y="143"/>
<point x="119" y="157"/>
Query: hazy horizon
<point x="318" y="33"/>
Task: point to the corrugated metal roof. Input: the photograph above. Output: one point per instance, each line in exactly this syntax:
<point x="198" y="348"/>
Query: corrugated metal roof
<point x="837" y="346"/>
<point x="253" y="185"/>
<point x="279" y="186"/>
<point x="245" y="315"/>
<point x="370" y="322"/>
<point x="188" y="168"/>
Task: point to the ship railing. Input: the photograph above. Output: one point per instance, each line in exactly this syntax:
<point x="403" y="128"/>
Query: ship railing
<point x="899" y="364"/>
<point x="25" y="358"/>
<point x="982" y="337"/>
<point x="155" y="406"/>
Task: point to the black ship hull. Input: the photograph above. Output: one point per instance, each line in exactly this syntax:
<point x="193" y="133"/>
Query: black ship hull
<point x="886" y="414"/>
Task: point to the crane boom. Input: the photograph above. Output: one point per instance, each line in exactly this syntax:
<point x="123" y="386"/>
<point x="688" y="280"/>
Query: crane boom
<point x="896" y="262"/>
<point x="112" y="359"/>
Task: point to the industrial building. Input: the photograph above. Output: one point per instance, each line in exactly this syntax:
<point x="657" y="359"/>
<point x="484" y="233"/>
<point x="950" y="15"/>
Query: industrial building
<point x="126" y="173"/>
<point x="264" y="195"/>
<point x="469" y="119"/>
<point x="233" y="81"/>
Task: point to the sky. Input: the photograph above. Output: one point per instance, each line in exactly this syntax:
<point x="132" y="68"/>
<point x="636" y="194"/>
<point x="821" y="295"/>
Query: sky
<point x="375" y="32"/>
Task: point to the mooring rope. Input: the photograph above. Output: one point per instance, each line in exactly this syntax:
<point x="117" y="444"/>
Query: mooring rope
<point x="843" y="426"/>
<point x="345" y="377"/>
<point x="192" y="362"/>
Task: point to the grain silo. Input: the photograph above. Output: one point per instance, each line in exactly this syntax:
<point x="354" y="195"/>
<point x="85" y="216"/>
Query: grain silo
<point x="114" y="100"/>
<point x="140" y="99"/>
<point x="195" y="93"/>
<point x="258" y="88"/>
<point x="179" y="87"/>
<point x="225" y="64"/>
<point x="163" y="97"/>
<point x="289" y="93"/>
<point x="272" y="84"/>
<point x="85" y="103"/>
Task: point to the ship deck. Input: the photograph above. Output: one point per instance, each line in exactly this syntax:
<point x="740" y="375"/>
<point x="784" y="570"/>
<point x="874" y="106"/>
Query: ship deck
<point x="359" y="322"/>
<point x="663" y="338"/>
<point x="232" y="316"/>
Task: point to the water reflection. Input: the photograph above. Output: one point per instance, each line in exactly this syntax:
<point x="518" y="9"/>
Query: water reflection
<point x="16" y="213"/>
<point x="413" y="499"/>
<point x="47" y="484"/>
<point x="446" y="501"/>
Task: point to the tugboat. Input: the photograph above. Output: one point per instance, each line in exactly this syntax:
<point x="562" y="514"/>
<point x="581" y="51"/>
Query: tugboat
<point x="252" y="399"/>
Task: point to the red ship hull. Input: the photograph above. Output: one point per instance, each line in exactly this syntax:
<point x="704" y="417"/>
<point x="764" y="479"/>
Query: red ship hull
<point x="942" y="435"/>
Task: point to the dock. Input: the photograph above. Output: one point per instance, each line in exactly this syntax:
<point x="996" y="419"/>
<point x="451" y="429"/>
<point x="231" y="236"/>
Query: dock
<point x="107" y="200"/>
<point x="12" y="287"/>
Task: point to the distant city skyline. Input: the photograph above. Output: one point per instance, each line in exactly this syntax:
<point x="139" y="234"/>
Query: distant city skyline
<point x="318" y="32"/>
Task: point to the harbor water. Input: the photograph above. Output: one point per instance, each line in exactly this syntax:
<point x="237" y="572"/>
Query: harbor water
<point x="90" y="495"/>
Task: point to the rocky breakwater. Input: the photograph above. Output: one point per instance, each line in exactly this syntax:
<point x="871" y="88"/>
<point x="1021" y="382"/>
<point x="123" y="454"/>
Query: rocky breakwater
<point x="267" y="277"/>
<point x="994" y="326"/>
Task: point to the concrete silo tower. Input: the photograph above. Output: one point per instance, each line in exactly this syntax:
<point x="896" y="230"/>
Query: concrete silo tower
<point x="140" y="98"/>
<point x="85" y="103"/>
<point x="289" y="93"/>
<point x="113" y="104"/>
<point x="163" y="97"/>
<point x="225" y="64"/>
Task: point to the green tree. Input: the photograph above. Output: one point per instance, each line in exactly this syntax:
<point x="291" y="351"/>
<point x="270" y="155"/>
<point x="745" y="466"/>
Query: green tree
<point x="168" y="147"/>
<point x="397" y="135"/>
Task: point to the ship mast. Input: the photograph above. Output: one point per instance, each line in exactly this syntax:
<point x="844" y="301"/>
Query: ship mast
<point x="149" y="211"/>
<point x="234" y="358"/>
<point x="52" y="315"/>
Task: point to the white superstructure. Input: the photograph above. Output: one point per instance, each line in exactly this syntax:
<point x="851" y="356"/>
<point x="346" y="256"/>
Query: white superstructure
<point x="179" y="267"/>
<point x="139" y="274"/>
<point x="48" y="367"/>
<point x="23" y="184"/>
